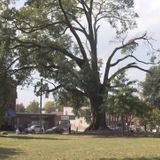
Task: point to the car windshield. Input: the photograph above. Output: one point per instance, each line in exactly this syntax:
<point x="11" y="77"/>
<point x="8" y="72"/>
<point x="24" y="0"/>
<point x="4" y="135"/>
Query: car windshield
<point x="34" y="126"/>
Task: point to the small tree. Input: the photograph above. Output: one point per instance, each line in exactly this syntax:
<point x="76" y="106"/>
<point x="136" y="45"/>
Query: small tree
<point x="33" y="107"/>
<point x="122" y="102"/>
<point x="51" y="106"/>
<point x="151" y="119"/>
<point x="151" y="94"/>
<point x="151" y="87"/>
<point x="155" y="119"/>
<point x="20" y="107"/>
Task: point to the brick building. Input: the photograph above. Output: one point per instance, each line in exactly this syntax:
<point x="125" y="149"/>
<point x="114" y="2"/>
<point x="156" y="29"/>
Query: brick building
<point x="24" y="120"/>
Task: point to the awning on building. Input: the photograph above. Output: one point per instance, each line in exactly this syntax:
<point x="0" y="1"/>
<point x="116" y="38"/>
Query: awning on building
<point x="10" y="113"/>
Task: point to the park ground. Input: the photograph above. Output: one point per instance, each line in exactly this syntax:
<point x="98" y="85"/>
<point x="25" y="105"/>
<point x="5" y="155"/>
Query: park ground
<point x="78" y="147"/>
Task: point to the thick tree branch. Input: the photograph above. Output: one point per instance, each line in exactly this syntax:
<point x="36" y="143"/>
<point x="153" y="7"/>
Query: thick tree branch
<point x="108" y="63"/>
<point x="67" y="88"/>
<point x="96" y="17"/>
<point x="73" y="32"/>
<point x="54" y="89"/>
<point x="130" y="65"/>
<point x="119" y="60"/>
<point x="142" y="69"/>
<point x="140" y="61"/>
<point x="55" y="47"/>
<point x="75" y="90"/>
<point x="84" y="4"/>
<point x="82" y="28"/>
<point x="92" y="37"/>
<point x="121" y="70"/>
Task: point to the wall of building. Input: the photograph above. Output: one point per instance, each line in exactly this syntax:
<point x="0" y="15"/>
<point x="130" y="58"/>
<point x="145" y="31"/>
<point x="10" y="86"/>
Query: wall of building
<point x="78" y="124"/>
<point x="24" y="120"/>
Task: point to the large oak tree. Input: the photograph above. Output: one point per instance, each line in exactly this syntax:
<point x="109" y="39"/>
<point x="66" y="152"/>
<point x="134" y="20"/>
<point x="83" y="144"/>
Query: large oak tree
<point x="59" y="38"/>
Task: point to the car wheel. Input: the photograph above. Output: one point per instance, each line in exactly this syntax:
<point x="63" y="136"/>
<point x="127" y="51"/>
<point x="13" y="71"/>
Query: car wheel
<point x="33" y="131"/>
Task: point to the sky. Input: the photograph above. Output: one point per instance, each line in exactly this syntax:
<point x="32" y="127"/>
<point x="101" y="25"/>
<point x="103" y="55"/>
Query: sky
<point x="148" y="21"/>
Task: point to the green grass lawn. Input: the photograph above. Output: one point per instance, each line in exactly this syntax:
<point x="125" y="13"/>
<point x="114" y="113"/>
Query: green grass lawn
<point x="70" y="147"/>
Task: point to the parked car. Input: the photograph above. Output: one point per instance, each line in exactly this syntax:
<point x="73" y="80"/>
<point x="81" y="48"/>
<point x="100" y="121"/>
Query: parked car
<point x="115" y="128"/>
<point x="34" y="129"/>
<point x="154" y="130"/>
<point x="55" y="129"/>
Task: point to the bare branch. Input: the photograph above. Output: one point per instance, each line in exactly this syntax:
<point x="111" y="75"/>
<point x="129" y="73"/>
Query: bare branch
<point x="130" y="56"/>
<point x="130" y="65"/>
<point x="82" y="28"/>
<point x="121" y="70"/>
<point x="141" y="61"/>
<point x="54" y="89"/>
<point x="14" y="61"/>
<point x="119" y="60"/>
<point x="96" y="17"/>
<point x="125" y="45"/>
<point x="108" y="63"/>
<point x="22" y="68"/>
<point x="142" y="69"/>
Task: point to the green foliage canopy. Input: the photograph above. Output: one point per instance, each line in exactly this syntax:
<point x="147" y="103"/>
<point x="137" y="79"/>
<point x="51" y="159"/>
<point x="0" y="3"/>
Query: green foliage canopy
<point x="122" y="100"/>
<point x="20" y="108"/>
<point x="33" y="107"/>
<point x="151" y="87"/>
<point x="51" y="106"/>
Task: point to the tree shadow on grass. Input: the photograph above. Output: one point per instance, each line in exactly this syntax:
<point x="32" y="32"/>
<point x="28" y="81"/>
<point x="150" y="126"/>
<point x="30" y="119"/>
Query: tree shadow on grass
<point x="113" y="134"/>
<point x="125" y="137"/>
<point x="25" y="137"/>
<point x="129" y="135"/>
<point x="140" y="158"/>
<point x="6" y="153"/>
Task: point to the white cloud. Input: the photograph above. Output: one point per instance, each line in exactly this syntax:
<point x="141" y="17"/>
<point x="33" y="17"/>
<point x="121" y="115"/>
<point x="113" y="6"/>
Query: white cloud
<point x="149" y="12"/>
<point x="20" y="3"/>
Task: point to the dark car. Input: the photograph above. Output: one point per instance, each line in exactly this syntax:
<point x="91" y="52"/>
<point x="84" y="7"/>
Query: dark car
<point x="34" y="129"/>
<point x="55" y="129"/>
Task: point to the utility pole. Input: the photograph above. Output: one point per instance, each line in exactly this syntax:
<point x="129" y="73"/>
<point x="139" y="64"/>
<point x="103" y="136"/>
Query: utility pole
<point x="40" y="104"/>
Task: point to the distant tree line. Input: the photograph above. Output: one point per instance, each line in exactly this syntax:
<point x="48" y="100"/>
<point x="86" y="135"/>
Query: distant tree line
<point x="33" y="107"/>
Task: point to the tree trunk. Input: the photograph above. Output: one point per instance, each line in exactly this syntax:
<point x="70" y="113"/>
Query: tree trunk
<point x="98" y="117"/>
<point x="145" y="127"/>
<point x="98" y="122"/>
<point x="123" y="124"/>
